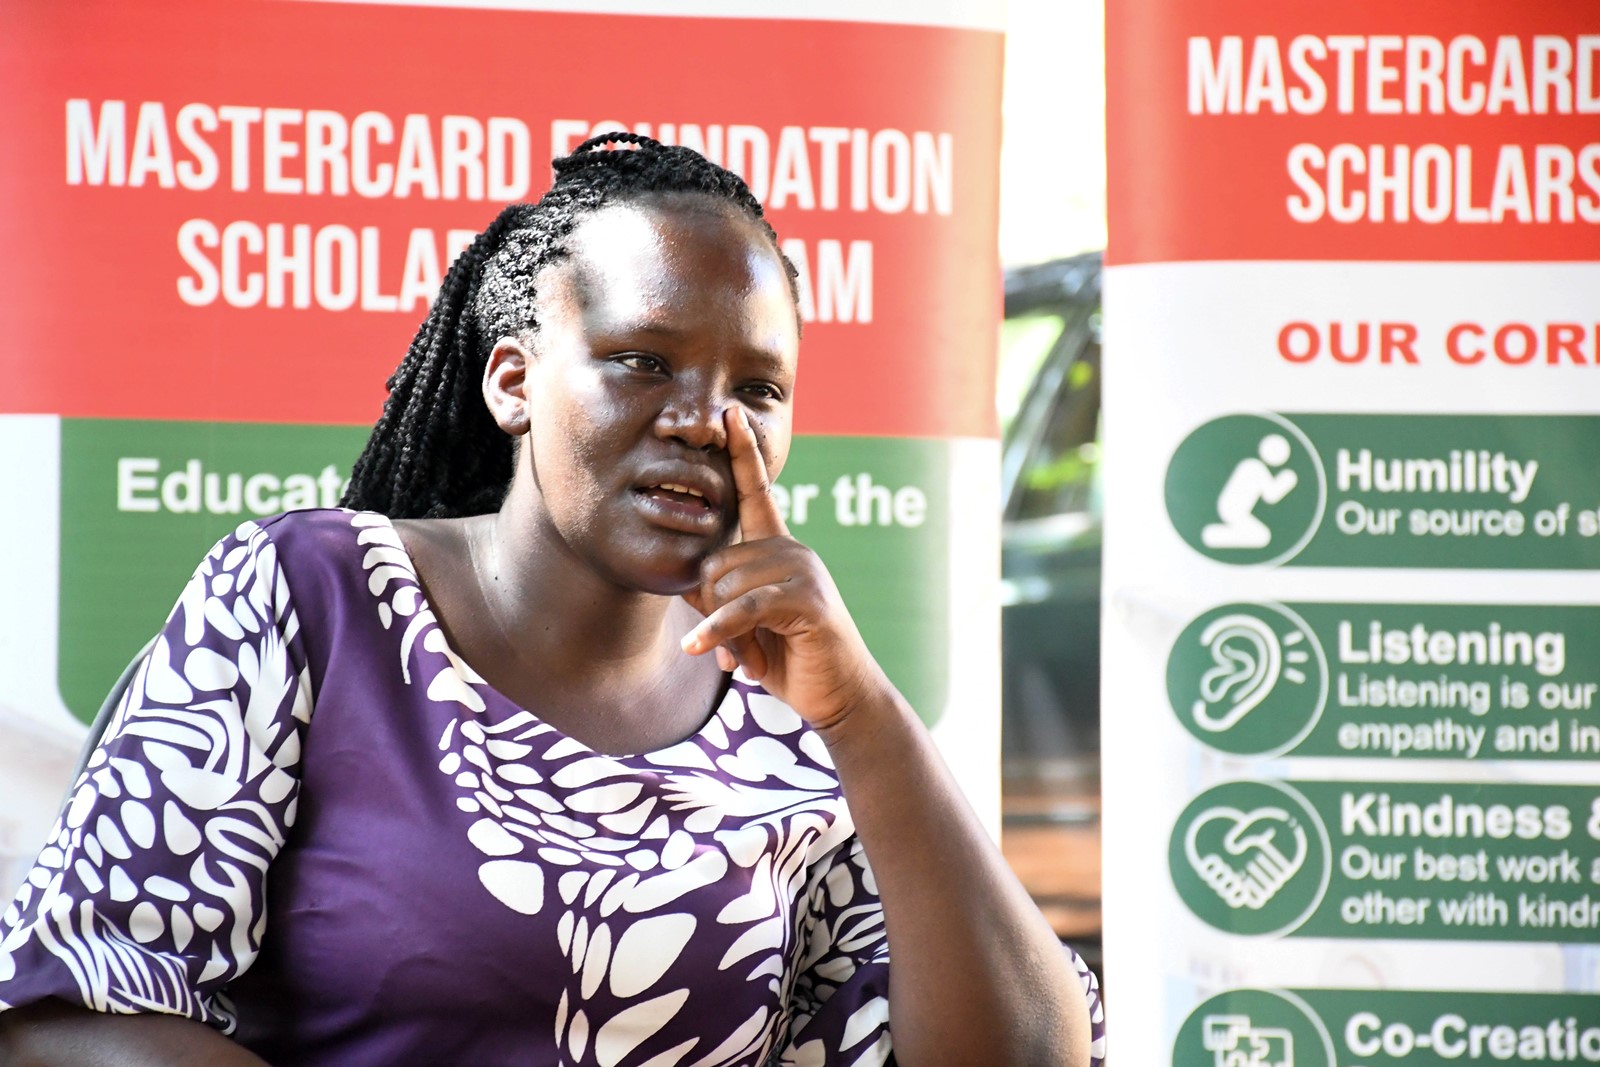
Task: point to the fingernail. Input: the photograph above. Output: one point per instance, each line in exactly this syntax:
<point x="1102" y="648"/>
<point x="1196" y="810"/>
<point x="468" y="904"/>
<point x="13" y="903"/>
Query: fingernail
<point x="690" y="643"/>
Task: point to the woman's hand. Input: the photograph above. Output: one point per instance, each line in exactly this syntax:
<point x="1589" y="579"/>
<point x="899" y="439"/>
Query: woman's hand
<point x="772" y="607"/>
<point x="950" y="905"/>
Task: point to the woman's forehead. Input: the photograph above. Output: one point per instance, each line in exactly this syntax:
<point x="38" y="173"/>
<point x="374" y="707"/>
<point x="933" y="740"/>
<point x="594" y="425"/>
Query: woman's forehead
<point x="670" y="257"/>
<point x="635" y="241"/>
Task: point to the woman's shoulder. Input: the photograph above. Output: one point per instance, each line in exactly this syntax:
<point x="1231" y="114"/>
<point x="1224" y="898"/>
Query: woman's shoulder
<point x="435" y="546"/>
<point x="323" y="555"/>
<point x="320" y="521"/>
<point x="333" y="534"/>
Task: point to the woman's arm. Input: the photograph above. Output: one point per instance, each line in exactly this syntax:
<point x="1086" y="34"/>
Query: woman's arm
<point x="977" y="975"/>
<point x="54" y="1034"/>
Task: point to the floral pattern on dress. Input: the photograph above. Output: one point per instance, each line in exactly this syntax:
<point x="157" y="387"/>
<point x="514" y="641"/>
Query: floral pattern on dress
<point x="150" y="893"/>
<point x="620" y="846"/>
<point x="705" y="905"/>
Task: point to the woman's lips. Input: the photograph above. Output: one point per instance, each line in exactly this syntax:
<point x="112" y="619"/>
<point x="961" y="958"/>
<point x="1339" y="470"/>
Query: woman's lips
<point x="678" y="507"/>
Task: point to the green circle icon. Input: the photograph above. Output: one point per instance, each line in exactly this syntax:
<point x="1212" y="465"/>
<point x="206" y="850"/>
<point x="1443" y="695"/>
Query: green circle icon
<point x="1246" y="489"/>
<point x="1253" y="1028"/>
<point x="1250" y="858"/>
<point x="1250" y="679"/>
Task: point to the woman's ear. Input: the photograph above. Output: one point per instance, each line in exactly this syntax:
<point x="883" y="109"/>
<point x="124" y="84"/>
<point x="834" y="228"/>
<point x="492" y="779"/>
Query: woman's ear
<point x="505" y="383"/>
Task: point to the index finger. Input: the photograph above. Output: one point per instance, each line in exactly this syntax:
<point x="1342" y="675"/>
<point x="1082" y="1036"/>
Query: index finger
<point x="758" y="510"/>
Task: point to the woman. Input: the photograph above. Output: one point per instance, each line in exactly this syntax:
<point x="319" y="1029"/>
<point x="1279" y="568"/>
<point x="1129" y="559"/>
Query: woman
<point x="538" y="756"/>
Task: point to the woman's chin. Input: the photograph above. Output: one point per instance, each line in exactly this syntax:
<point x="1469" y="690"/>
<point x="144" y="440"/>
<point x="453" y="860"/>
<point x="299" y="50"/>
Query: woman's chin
<point x="663" y="577"/>
<point x="673" y="586"/>
<point x="677" y="571"/>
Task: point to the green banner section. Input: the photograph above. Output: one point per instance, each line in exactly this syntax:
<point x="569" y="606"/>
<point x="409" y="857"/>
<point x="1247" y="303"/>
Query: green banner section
<point x="1416" y="681"/>
<point x="1366" y="1028"/>
<point x="1430" y="491"/>
<point x="141" y="502"/>
<point x="877" y="510"/>
<point x="1442" y="861"/>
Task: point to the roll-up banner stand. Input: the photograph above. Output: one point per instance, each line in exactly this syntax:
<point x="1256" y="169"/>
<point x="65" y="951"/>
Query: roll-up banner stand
<point x="1352" y="585"/>
<point x="223" y="221"/>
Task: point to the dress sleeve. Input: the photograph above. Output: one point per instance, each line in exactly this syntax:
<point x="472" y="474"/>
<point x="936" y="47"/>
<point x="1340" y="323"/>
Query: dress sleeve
<point x="149" y="895"/>
<point x="839" y="1006"/>
<point x="1097" y="1011"/>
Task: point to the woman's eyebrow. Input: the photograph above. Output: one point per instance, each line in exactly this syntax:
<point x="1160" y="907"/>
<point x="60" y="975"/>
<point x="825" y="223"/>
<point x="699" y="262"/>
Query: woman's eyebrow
<point x="772" y="360"/>
<point x="769" y="362"/>
<point x="650" y="326"/>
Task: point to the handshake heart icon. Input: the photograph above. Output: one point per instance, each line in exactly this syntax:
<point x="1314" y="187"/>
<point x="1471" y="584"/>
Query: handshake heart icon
<point x="1246" y="858"/>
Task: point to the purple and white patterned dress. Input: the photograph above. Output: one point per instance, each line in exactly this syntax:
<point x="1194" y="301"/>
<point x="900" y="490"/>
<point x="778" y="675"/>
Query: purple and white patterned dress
<point x="445" y="878"/>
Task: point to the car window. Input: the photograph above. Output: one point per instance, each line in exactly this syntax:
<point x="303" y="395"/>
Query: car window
<point x="1025" y="340"/>
<point x="1061" y="471"/>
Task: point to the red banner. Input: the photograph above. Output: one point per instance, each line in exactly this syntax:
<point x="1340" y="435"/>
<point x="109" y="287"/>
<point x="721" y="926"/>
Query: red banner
<point x="291" y="216"/>
<point x="1436" y="130"/>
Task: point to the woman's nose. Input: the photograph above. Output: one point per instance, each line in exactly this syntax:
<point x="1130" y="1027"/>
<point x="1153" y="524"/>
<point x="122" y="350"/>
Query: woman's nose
<point x="695" y="421"/>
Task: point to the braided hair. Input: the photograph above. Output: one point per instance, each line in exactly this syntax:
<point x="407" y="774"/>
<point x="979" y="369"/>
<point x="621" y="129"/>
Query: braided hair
<point x="436" y="452"/>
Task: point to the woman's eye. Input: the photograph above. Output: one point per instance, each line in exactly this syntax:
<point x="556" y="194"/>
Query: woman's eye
<point x="764" y="391"/>
<point x="639" y="362"/>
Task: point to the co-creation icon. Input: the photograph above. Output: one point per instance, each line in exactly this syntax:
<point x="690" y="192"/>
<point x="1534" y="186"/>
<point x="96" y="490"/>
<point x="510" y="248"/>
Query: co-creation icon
<point x="1238" y="1042"/>
<point x="1253" y="1028"/>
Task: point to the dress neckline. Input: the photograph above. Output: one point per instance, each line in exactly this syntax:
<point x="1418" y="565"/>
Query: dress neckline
<point x="714" y="719"/>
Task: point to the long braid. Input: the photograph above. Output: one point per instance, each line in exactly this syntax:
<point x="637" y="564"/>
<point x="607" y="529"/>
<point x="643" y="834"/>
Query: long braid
<point x="393" y="466"/>
<point x="436" y="451"/>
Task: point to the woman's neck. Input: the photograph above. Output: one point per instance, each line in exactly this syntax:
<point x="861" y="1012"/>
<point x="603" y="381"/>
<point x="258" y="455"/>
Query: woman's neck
<point x="600" y="664"/>
<point x="560" y="616"/>
<point x="541" y="625"/>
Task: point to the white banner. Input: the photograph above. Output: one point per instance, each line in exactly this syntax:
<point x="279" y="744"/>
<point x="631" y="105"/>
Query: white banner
<point x="1351" y="694"/>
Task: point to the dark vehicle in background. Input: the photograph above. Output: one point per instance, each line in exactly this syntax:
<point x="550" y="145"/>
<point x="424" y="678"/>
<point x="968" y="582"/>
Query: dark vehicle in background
<point x="1049" y="397"/>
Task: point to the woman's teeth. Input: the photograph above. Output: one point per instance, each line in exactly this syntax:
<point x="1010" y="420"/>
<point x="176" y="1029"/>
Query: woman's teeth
<point x="672" y="488"/>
